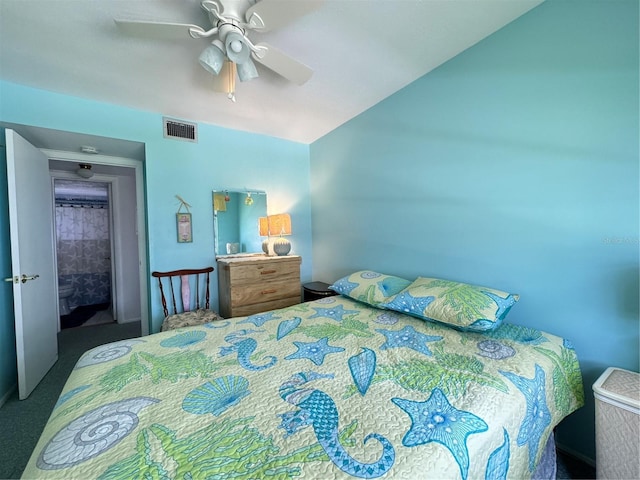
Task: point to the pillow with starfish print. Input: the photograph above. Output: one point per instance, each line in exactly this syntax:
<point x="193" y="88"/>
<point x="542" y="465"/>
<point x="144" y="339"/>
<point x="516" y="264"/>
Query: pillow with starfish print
<point x="370" y="287"/>
<point x="460" y="305"/>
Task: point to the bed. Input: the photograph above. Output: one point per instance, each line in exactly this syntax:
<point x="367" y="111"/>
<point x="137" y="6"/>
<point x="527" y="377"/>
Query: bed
<point x="341" y="387"/>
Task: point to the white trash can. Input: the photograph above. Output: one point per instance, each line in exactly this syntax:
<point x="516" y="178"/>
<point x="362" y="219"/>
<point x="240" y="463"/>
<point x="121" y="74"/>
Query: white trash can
<point x="617" y="399"/>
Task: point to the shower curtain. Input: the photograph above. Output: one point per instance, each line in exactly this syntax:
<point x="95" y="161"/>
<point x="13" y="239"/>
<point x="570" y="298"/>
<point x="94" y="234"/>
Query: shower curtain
<point x="84" y="251"/>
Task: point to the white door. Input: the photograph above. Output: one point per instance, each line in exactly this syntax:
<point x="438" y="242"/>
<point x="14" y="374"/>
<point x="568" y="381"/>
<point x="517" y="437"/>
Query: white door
<point x="32" y="261"/>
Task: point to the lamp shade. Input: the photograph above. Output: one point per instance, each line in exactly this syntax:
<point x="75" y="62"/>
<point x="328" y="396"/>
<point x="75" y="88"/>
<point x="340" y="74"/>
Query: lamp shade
<point x="263" y="226"/>
<point x="247" y="70"/>
<point x="212" y="58"/>
<point x="280" y="224"/>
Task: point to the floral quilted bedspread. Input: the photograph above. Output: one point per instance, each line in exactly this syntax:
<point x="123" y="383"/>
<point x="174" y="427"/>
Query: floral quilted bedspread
<point x="325" y="389"/>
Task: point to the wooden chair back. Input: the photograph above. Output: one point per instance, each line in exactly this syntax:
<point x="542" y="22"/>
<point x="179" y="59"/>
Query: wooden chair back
<point x="183" y="279"/>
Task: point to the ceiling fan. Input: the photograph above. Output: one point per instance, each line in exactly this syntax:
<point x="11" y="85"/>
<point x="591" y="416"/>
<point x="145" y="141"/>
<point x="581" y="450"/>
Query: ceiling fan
<point x="231" y="51"/>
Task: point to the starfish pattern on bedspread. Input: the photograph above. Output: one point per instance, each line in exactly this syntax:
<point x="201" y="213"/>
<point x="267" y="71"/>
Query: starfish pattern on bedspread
<point x="314" y="351"/>
<point x="335" y="313"/>
<point x="409" y="338"/>
<point x="436" y="420"/>
<point x="344" y="286"/>
<point x="537" y="417"/>
<point x="504" y="304"/>
<point x="407" y="303"/>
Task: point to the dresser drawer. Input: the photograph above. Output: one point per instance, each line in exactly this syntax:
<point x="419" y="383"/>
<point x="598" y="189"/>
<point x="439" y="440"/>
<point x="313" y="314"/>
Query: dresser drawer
<point x="264" y="272"/>
<point x="246" y="310"/>
<point x="252" y="285"/>
<point x="248" y="294"/>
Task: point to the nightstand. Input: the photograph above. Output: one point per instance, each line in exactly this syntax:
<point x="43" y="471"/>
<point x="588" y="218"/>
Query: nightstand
<point x="316" y="290"/>
<point x="257" y="283"/>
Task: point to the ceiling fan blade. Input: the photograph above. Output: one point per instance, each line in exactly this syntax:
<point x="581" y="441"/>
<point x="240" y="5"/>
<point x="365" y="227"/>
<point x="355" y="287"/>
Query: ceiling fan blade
<point x="282" y="64"/>
<point x="169" y="31"/>
<point x="268" y="15"/>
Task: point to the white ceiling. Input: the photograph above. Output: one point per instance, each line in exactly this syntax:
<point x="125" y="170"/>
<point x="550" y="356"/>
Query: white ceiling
<point x="361" y="51"/>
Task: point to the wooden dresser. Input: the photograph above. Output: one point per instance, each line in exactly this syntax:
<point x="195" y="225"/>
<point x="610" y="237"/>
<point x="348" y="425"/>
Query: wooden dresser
<point x="254" y="284"/>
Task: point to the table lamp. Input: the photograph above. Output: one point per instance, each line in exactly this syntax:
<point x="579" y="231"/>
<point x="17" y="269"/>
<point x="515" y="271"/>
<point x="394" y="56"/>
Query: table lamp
<point x="280" y="225"/>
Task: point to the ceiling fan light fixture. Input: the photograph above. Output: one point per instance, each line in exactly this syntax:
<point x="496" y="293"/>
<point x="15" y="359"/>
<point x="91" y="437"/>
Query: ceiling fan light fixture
<point x="230" y="20"/>
<point x="235" y="46"/>
<point x="237" y="49"/>
<point x="212" y="58"/>
<point x="247" y="71"/>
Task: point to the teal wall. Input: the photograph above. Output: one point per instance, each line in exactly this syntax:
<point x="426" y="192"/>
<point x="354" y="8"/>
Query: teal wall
<point x="222" y="158"/>
<point x="8" y="371"/>
<point x="514" y="165"/>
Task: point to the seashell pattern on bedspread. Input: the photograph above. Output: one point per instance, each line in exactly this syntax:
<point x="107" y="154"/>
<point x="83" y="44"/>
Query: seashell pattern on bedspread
<point x="332" y="388"/>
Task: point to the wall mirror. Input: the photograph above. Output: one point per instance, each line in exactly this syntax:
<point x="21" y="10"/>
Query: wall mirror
<point x="235" y="221"/>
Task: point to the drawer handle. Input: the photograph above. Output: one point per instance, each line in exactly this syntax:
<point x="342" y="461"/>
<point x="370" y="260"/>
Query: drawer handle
<point x="265" y="292"/>
<point x="267" y="272"/>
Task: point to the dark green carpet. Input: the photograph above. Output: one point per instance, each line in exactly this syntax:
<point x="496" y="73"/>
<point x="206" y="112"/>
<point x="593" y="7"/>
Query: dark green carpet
<point x="22" y="422"/>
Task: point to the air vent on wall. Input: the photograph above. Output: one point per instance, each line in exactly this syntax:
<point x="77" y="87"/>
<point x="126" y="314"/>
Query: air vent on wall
<point x="179" y="130"/>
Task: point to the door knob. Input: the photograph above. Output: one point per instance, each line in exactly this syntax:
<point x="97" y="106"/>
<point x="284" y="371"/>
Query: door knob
<point x="24" y="278"/>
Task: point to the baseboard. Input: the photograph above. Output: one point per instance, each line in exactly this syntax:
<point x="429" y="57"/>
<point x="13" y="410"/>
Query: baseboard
<point x="575" y="454"/>
<point x="129" y="320"/>
<point x="6" y="396"/>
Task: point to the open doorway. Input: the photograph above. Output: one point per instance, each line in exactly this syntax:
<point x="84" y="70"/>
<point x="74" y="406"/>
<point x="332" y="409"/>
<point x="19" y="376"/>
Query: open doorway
<point x="83" y="227"/>
<point x="117" y="266"/>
